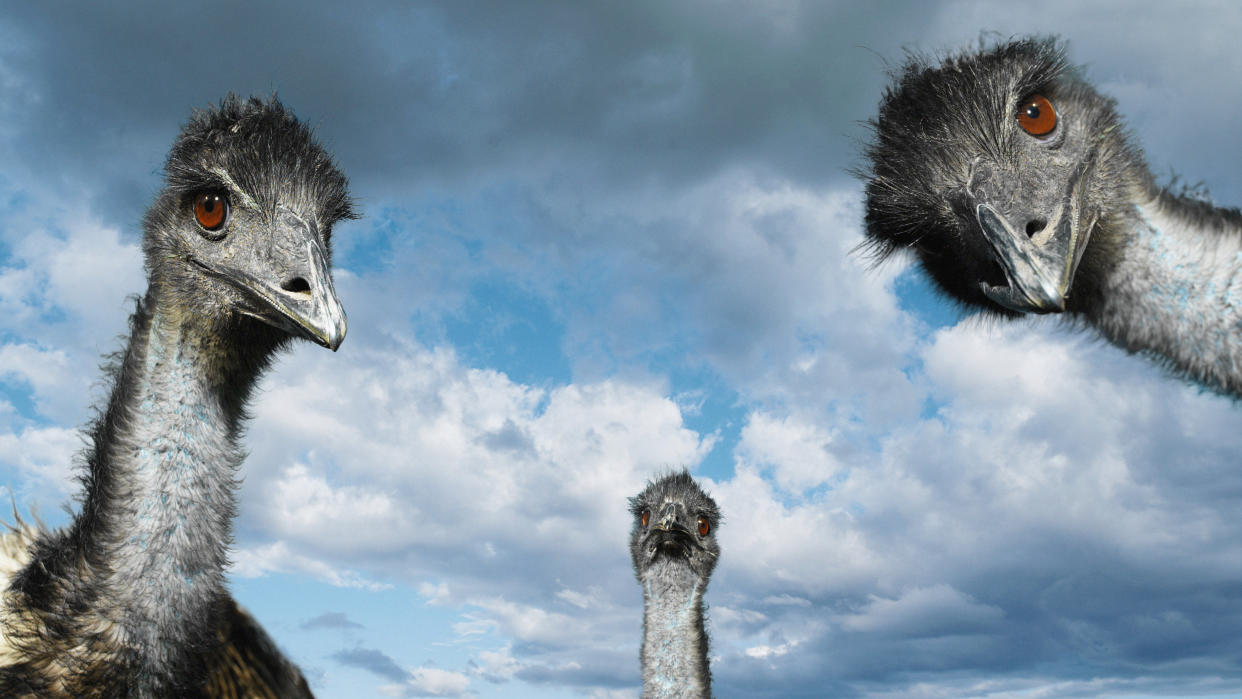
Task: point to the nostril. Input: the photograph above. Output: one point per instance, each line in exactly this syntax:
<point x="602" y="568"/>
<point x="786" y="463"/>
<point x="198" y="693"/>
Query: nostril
<point x="297" y="285"/>
<point x="1034" y="226"/>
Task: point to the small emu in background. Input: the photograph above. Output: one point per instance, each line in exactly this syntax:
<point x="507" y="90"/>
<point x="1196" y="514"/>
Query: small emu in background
<point x="674" y="549"/>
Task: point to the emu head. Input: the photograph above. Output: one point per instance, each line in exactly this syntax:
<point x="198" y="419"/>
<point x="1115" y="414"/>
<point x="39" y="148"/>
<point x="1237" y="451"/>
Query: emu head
<point x="242" y="230"/>
<point x="996" y="168"/>
<point x="675" y="522"/>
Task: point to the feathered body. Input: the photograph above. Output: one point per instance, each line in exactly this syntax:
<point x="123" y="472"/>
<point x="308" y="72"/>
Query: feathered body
<point x="129" y="599"/>
<point x="1018" y="189"/>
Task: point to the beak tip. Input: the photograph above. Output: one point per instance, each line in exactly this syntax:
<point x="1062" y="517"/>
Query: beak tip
<point x="333" y="340"/>
<point x="328" y="327"/>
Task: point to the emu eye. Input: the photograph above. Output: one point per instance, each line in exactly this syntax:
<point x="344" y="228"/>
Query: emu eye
<point x="1037" y="116"/>
<point x="645" y="517"/>
<point x="210" y="210"/>
<point x="704" y="526"/>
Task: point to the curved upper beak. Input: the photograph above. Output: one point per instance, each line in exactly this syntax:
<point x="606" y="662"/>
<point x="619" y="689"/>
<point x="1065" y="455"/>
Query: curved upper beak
<point x="289" y="283"/>
<point x="1039" y="265"/>
<point x="309" y="307"/>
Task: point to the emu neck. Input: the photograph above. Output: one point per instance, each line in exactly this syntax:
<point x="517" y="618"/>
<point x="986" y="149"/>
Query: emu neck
<point x="173" y="464"/>
<point x="1176" y="292"/>
<point x="160" y="500"/>
<point x="674" y="654"/>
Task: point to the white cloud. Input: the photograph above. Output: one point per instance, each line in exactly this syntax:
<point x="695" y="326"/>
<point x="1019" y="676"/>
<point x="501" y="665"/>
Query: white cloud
<point x="43" y="369"/>
<point x="303" y="503"/>
<point x="769" y="651"/>
<point x="429" y="454"/>
<point x="789" y="548"/>
<point x="63" y="292"/>
<point x="797" y="451"/>
<point x="526" y="622"/>
<point x="497" y="666"/>
<point x="756" y="275"/>
<point x="77" y="264"/>
<point x="45" y="454"/>
<point x="254" y="561"/>
<point x="934" y="610"/>
<point x="613" y="694"/>
<point x="430" y="682"/>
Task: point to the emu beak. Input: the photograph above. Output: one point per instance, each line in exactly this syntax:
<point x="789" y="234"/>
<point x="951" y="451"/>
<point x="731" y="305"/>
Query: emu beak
<point x="305" y="304"/>
<point x="669" y="519"/>
<point x="1039" y="266"/>
<point x="289" y="283"/>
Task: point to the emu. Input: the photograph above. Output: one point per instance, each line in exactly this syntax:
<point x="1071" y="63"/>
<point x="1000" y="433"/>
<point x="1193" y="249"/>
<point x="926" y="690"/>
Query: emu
<point x="1016" y="186"/>
<point x="674" y="550"/>
<point x="130" y="598"/>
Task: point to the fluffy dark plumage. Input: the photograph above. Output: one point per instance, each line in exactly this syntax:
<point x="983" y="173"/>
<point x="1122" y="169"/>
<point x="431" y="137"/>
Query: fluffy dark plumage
<point x="248" y="665"/>
<point x="266" y="148"/>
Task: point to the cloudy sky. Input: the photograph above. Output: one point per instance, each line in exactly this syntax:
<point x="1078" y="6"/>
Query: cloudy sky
<point x="606" y="239"/>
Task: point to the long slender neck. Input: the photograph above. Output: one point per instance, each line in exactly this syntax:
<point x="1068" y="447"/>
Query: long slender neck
<point x="170" y="505"/>
<point x="674" y="654"/>
<point x="1176" y="291"/>
<point x="143" y="562"/>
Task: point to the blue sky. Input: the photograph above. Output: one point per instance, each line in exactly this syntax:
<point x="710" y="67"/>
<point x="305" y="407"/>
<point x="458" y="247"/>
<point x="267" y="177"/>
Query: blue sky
<point x="605" y="239"/>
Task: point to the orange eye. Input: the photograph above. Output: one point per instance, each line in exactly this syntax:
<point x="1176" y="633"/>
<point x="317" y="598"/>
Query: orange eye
<point x="645" y="517"/>
<point x="704" y="526"/>
<point x="210" y="210"/>
<point x="1036" y="115"/>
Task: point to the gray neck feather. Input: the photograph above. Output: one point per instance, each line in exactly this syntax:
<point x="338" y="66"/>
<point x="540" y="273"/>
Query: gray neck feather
<point x="170" y="510"/>
<point x="674" y="653"/>
<point x="155" y="523"/>
<point x="1176" y="292"/>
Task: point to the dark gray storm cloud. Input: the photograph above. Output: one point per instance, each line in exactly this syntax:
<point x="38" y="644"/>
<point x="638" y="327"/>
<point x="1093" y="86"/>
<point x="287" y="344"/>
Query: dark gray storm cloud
<point x="373" y="661"/>
<point x="331" y="620"/>
<point x="407" y="93"/>
<point x="414" y="94"/>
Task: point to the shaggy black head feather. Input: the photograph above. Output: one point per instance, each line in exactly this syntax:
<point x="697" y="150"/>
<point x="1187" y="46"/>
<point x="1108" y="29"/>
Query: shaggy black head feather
<point x="266" y="150"/>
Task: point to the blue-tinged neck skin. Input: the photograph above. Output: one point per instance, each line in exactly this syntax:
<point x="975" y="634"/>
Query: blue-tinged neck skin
<point x="1176" y="293"/>
<point x="126" y="600"/>
<point x="674" y="652"/>
<point x="172" y="497"/>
